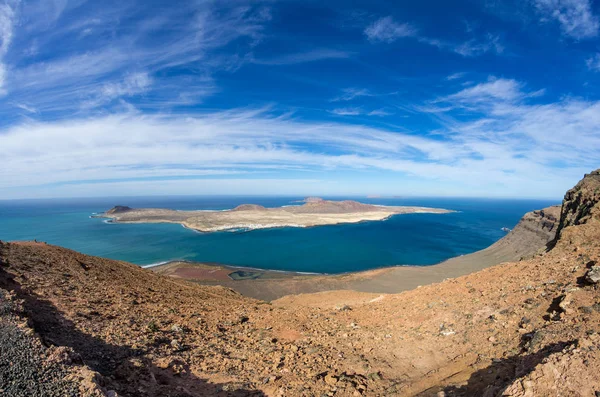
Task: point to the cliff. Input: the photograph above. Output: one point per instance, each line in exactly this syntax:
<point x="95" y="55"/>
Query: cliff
<point x="533" y="232"/>
<point x="580" y="203"/>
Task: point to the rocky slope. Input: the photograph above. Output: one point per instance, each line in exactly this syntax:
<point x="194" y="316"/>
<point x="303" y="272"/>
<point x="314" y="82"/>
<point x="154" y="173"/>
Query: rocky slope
<point x="28" y="368"/>
<point x="580" y="203"/>
<point x="526" y="328"/>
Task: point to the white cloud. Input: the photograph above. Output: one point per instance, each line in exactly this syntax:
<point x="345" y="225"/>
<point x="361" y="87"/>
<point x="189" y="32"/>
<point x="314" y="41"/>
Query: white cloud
<point x="26" y="108"/>
<point x="492" y="140"/>
<point x="380" y="112"/>
<point x="492" y="90"/>
<point x="501" y="153"/>
<point x="98" y="70"/>
<point x="473" y="47"/>
<point x="7" y="16"/>
<point x="593" y="62"/>
<point x="132" y="84"/>
<point x="470" y="48"/>
<point x="494" y="95"/>
<point x="561" y="135"/>
<point x="349" y="94"/>
<point x="303" y="57"/>
<point x="387" y="30"/>
<point x="351" y="111"/>
<point x="455" y="76"/>
<point x="357" y="111"/>
<point x="576" y="17"/>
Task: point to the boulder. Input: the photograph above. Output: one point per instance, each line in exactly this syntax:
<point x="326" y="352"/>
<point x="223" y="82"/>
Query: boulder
<point x="593" y="275"/>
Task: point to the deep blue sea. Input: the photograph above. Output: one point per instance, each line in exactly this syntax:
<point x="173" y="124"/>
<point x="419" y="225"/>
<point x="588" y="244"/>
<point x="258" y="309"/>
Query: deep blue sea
<point x="413" y="239"/>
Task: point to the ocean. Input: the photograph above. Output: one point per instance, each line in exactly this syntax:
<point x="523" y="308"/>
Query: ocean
<point x="412" y="239"/>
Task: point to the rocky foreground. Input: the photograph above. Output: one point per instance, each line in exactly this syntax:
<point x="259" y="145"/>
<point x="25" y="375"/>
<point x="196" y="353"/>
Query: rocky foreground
<point x="528" y="328"/>
<point x="314" y="212"/>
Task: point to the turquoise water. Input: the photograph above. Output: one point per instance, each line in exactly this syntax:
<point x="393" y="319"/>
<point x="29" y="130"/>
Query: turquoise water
<point x="413" y="239"/>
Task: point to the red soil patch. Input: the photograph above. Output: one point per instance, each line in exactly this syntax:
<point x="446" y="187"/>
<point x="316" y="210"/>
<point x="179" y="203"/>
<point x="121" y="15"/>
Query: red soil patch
<point x="201" y="274"/>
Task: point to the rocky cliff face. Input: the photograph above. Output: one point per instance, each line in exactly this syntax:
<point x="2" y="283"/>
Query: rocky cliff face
<point x="580" y="204"/>
<point x="534" y="230"/>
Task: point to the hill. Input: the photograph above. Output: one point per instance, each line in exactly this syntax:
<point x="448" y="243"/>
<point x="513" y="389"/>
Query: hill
<point x="526" y="328"/>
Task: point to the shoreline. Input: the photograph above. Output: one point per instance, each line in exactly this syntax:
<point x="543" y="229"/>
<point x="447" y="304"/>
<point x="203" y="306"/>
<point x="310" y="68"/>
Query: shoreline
<point x="257" y="226"/>
<point x="239" y="267"/>
<point x="246" y="228"/>
<point x="248" y="217"/>
<point x="259" y="269"/>
<point x="531" y="235"/>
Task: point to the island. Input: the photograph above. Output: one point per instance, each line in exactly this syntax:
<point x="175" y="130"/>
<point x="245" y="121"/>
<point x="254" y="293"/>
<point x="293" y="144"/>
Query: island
<point x="314" y="212"/>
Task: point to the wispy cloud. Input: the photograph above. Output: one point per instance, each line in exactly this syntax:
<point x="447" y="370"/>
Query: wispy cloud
<point x="593" y="62"/>
<point x="493" y="89"/>
<point x="25" y="107"/>
<point x="349" y="94"/>
<point x="380" y="112"/>
<point x="352" y="111"/>
<point x="132" y="84"/>
<point x="489" y="43"/>
<point x="576" y="17"/>
<point x="514" y="127"/>
<point x="358" y="111"/>
<point x="7" y="16"/>
<point x="455" y="76"/>
<point x="135" y="100"/>
<point x="492" y="96"/>
<point x="387" y="30"/>
<point x="510" y="146"/>
<point x="102" y="66"/>
<point x="475" y="47"/>
<point x="303" y="57"/>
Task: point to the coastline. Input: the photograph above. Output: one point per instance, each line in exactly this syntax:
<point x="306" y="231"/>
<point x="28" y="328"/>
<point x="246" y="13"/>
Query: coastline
<point x="248" y="228"/>
<point x="247" y="217"/>
<point x="530" y="236"/>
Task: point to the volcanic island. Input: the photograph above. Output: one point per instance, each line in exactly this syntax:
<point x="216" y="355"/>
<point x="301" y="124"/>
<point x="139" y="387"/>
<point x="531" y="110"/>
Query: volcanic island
<point x="314" y="212"/>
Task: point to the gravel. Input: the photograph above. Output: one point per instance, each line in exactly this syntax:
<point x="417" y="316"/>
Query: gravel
<point x="23" y="370"/>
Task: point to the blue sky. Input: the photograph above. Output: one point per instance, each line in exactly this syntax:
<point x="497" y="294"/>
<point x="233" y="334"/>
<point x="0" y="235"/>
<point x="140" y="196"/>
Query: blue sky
<point x="482" y="98"/>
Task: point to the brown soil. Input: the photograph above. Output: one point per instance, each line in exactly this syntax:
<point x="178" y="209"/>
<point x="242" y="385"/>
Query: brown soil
<point x="196" y="272"/>
<point x="526" y="328"/>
